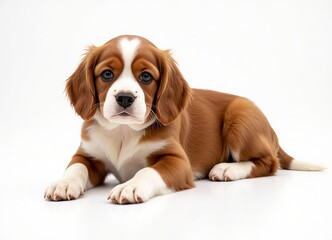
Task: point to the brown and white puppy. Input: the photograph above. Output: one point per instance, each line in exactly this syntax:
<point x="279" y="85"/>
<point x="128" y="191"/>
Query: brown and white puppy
<point x="156" y="135"/>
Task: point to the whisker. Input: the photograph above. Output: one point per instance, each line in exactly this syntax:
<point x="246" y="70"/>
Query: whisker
<point x="152" y="114"/>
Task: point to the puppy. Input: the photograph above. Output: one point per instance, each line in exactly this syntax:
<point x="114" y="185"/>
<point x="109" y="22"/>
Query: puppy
<point x="156" y="135"/>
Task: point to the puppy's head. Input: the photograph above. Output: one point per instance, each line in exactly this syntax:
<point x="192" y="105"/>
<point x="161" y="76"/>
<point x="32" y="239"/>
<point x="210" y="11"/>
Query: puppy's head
<point x="128" y="81"/>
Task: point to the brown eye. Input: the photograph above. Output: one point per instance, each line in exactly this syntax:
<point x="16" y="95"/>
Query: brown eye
<point x="145" y="78"/>
<point x="107" y="76"/>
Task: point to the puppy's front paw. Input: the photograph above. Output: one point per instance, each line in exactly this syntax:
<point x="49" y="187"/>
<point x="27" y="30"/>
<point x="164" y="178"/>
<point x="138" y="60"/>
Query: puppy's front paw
<point x="146" y="184"/>
<point x="64" y="190"/>
<point x="129" y="193"/>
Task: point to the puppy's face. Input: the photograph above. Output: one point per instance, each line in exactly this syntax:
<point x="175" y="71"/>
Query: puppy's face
<point x="128" y="81"/>
<point x="127" y="77"/>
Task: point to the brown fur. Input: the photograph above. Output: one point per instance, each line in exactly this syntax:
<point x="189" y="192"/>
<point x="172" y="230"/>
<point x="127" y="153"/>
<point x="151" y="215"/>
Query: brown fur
<point x="173" y="93"/>
<point x="81" y="87"/>
<point x="202" y="128"/>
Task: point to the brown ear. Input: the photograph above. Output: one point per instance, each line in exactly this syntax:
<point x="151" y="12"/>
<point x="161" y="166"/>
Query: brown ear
<point x="173" y="93"/>
<point x="80" y="86"/>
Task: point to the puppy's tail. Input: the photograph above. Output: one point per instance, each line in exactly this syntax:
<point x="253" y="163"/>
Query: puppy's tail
<point x="288" y="162"/>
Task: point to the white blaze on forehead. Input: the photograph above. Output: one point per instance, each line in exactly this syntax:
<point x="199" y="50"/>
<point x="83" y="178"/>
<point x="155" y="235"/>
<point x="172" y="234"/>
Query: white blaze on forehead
<point x="128" y="50"/>
<point x="127" y="80"/>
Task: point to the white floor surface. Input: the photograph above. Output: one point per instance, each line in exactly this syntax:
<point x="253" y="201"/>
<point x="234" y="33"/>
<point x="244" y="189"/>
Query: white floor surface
<point x="291" y="205"/>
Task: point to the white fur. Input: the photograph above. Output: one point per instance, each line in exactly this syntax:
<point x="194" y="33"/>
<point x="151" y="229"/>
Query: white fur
<point x="126" y="83"/>
<point x="72" y="184"/>
<point x="198" y="175"/>
<point x="231" y="171"/>
<point x="305" y="166"/>
<point x="146" y="184"/>
<point x="120" y="149"/>
<point x="235" y="156"/>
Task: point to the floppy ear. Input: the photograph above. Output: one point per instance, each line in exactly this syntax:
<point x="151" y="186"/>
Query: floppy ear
<point x="173" y="94"/>
<point x="80" y="86"/>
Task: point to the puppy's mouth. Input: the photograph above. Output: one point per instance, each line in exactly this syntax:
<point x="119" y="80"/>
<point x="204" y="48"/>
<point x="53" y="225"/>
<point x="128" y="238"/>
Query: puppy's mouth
<point x="124" y="117"/>
<point x="123" y="114"/>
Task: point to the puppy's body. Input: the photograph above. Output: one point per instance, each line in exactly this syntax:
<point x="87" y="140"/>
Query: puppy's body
<point x="156" y="135"/>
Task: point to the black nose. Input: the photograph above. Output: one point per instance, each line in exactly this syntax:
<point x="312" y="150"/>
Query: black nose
<point x="125" y="99"/>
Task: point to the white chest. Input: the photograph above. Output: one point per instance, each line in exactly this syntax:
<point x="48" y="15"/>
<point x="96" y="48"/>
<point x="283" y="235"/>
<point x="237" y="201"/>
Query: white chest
<point x="120" y="149"/>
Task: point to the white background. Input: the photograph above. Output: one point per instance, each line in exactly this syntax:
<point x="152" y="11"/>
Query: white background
<point x="277" y="53"/>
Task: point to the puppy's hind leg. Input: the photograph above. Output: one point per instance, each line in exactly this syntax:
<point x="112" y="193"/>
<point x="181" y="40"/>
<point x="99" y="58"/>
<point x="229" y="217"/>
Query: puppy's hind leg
<point x="250" y="141"/>
<point x="262" y="163"/>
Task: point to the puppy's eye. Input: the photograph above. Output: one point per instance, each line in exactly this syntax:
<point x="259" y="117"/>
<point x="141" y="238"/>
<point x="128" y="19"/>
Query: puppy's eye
<point x="145" y="78"/>
<point x="107" y="76"/>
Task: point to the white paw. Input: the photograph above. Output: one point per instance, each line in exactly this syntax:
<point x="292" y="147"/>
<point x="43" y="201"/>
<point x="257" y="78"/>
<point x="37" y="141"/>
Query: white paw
<point x="146" y="184"/>
<point x="129" y="193"/>
<point x="231" y="171"/>
<point x="64" y="190"/>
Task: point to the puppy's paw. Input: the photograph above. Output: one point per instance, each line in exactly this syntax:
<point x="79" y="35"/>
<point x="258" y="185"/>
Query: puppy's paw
<point x="231" y="171"/>
<point x="64" y="190"/>
<point x="130" y="192"/>
<point x="146" y="184"/>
